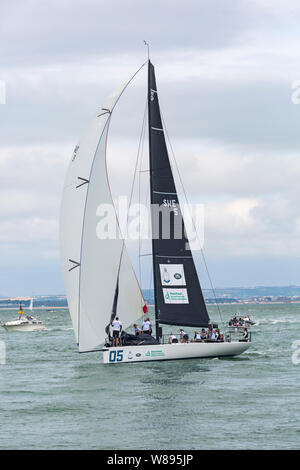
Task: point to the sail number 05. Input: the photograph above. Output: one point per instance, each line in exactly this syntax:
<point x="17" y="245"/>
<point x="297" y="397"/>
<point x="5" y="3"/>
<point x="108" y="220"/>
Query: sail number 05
<point x="116" y="356"/>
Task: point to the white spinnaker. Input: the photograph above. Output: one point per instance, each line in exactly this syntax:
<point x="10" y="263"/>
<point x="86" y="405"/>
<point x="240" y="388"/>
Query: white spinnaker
<point x="72" y="211"/>
<point x="85" y="185"/>
<point x="100" y="263"/>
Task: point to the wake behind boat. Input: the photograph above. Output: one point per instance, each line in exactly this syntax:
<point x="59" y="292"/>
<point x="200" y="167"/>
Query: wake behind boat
<point x="24" y="322"/>
<point x="99" y="278"/>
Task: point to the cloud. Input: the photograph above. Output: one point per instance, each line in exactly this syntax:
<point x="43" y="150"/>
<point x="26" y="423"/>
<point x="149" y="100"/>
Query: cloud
<point x="64" y="29"/>
<point x="30" y="199"/>
<point x="224" y="73"/>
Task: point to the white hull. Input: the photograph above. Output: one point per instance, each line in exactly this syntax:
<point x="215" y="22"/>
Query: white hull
<point x="24" y="327"/>
<point x="167" y="352"/>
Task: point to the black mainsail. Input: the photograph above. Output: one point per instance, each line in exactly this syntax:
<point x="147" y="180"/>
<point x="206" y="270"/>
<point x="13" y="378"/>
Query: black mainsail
<point x="177" y="292"/>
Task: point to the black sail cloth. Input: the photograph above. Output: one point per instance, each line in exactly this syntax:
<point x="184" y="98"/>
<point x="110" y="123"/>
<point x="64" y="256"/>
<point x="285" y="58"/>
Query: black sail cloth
<point x="178" y="296"/>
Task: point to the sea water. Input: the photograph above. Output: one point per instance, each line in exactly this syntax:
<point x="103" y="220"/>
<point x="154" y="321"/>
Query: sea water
<point x="52" y="397"/>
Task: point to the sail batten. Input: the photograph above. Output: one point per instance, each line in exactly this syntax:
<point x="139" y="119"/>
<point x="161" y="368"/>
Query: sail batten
<point x="177" y="292"/>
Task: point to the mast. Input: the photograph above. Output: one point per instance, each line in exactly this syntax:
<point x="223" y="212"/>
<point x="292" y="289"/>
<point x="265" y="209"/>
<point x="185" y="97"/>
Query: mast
<point x="177" y="293"/>
<point x="157" y="329"/>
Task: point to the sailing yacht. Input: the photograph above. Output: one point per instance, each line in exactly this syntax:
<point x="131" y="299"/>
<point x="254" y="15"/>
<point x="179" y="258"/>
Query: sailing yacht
<point x="99" y="278"/>
<point x="25" y="322"/>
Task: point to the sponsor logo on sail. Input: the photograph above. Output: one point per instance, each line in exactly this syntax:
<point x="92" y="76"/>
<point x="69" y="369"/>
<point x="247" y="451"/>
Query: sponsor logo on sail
<point x="172" y="274"/>
<point x="175" y="296"/>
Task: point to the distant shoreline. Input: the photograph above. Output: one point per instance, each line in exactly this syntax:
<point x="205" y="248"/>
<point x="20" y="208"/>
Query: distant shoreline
<point x="26" y="310"/>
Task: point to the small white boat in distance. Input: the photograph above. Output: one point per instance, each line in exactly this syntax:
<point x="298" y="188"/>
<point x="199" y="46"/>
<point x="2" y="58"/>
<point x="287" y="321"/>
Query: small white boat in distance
<point x="25" y="322"/>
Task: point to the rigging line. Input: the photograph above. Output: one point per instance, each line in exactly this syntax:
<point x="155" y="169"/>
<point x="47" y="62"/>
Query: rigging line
<point x="139" y="202"/>
<point x="139" y="196"/>
<point x="142" y="226"/>
<point x="132" y="188"/>
<point x="146" y="205"/>
<point x="185" y="195"/>
<point x="126" y="228"/>
<point x="150" y="284"/>
<point x="146" y="198"/>
<point x="145" y="218"/>
<point x="143" y="222"/>
<point x="148" y="299"/>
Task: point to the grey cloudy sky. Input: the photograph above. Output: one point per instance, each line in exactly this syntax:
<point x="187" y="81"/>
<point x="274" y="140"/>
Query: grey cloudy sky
<point x="225" y="71"/>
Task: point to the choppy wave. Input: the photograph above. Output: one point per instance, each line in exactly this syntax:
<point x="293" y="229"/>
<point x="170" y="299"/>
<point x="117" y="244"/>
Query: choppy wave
<point x="50" y="394"/>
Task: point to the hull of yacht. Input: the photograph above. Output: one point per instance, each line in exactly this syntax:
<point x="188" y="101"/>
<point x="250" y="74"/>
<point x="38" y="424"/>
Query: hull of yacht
<point x="22" y="326"/>
<point x="178" y="351"/>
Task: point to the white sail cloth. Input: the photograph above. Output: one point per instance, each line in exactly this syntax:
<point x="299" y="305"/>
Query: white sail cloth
<point x="90" y="264"/>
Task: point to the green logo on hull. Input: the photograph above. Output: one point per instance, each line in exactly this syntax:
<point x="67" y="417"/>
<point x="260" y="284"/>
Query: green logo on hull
<point x="155" y="353"/>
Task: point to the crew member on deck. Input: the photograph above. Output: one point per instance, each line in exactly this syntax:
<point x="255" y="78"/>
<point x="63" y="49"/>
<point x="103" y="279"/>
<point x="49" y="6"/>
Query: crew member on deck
<point x="197" y="336"/>
<point x="20" y="312"/>
<point x="137" y="330"/>
<point x="211" y="335"/>
<point x="172" y="339"/>
<point x="117" y="328"/>
<point x="245" y="335"/>
<point x="146" y="326"/>
<point x="203" y="334"/>
<point x="184" y="337"/>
